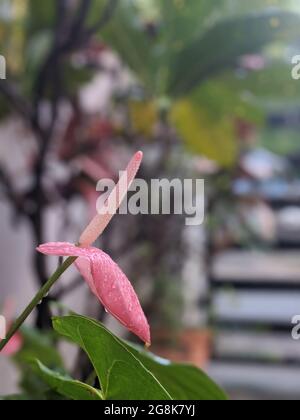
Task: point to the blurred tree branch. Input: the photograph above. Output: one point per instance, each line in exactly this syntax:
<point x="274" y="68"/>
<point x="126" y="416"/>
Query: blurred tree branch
<point x="70" y="33"/>
<point x="10" y="193"/>
<point x="15" y="99"/>
<point x="104" y="19"/>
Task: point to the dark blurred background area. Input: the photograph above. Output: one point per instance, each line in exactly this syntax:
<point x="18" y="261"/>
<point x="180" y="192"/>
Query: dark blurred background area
<point x="205" y="89"/>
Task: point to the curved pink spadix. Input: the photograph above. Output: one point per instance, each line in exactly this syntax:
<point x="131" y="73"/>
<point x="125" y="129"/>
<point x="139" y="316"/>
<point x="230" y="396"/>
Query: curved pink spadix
<point x="99" y="223"/>
<point x="108" y="283"/>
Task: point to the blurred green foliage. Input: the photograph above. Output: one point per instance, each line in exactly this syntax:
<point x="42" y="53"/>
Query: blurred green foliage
<point x="185" y="50"/>
<point x="188" y="51"/>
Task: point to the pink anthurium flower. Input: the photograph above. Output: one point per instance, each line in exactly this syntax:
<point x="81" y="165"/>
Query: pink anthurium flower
<point x="104" y="277"/>
<point x="108" y="283"/>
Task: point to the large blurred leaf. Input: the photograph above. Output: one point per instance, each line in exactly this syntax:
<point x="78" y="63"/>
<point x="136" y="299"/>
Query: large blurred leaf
<point x="173" y="45"/>
<point x="206" y="118"/>
<point x="222" y="98"/>
<point x="205" y="134"/>
<point x="127" y="34"/>
<point x="12" y="33"/>
<point x="221" y="45"/>
<point x="182" y="21"/>
<point x="36" y="346"/>
<point x="41" y="16"/>
<point x="272" y="84"/>
<point x="121" y="367"/>
<point x="143" y="116"/>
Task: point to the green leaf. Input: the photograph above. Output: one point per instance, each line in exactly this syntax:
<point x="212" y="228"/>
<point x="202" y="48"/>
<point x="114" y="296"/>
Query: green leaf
<point x="67" y="386"/>
<point x="206" y="119"/>
<point x="104" y="349"/>
<point x="128" y="382"/>
<point x="38" y="346"/>
<point x="40" y="16"/>
<point x="115" y="360"/>
<point x="183" y="381"/>
<point x="203" y="134"/>
<point x="127" y="35"/>
<point x="184" y="20"/>
<point x="272" y="84"/>
<point x="220" y="47"/>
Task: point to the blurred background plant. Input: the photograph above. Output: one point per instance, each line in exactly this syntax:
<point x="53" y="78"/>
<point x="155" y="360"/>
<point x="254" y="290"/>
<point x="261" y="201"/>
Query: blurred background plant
<point x="198" y="85"/>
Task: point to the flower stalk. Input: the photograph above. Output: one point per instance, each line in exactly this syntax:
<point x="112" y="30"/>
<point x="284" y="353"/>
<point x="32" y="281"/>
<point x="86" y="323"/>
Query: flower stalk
<point x="42" y="293"/>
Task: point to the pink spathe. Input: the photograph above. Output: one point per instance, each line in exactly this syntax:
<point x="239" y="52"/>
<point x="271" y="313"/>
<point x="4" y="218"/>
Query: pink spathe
<point x="108" y="283"/>
<point x="100" y="222"/>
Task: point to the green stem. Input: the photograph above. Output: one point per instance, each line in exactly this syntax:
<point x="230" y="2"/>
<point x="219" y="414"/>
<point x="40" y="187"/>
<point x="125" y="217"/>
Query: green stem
<point x="42" y="293"/>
